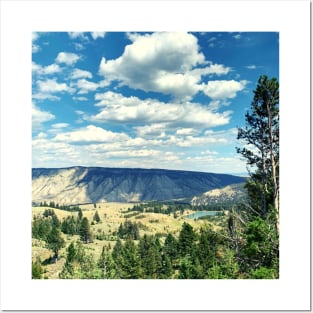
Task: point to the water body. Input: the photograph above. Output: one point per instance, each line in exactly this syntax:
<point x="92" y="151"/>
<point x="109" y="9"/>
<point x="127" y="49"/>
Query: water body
<point x="203" y="213"/>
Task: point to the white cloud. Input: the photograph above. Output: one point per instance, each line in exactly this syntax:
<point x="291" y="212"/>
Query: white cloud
<point x="85" y="86"/>
<point x="251" y="67"/>
<point x="80" y="98"/>
<point x="59" y="125"/>
<point x="186" y="131"/>
<point x="67" y="57"/>
<point x="215" y="164"/>
<point x="212" y="42"/>
<point x="35" y="36"/>
<point x="237" y="36"/>
<point x="35" y="48"/>
<point x="134" y="153"/>
<point x="39" y="117"/>
<point x="91" y="134"/>
<point x="191" y="141"/>
<point x="160" y="62"/>
<point x="78" y="35"/>
<point x="155" y="130"/>
<point x="117" y="108"/>
<point x="45" y="70"/>
<point x="51" y="85"/>
<point x="78" y="46"/>
<point x="41" y="135"/>
<point x="96" y="35"/>
<point x="45" y="96"/>
<point x="223" y="89"/>
<point x="78" y="73"/>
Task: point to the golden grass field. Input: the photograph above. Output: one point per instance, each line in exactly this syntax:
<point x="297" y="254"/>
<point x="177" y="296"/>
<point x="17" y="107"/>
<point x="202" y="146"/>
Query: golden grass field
<point x="112" y="214"/>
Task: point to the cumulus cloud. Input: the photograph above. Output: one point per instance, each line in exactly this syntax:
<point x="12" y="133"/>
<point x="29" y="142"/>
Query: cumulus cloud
<point x="85" y="86"/>
<point x="96" y="35"/>
<point x="117" y="108"/>
<point x="186" y="131"/>
<point x="154" y="130"/>
<point x="45" y="70"/>
<point x="223" y="89"/>
<point x="78" y="73"/>
<point x="67" y="58"/>
<point x="161" y="62"/>
<point x="39" y="117"/>
<point x="91" y="134"/>
<point x="51" y="86"/>
<point x="191" y="141"/>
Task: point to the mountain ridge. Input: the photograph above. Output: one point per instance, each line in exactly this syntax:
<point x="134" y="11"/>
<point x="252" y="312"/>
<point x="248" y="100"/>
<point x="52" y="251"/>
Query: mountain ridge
<point x="78" y="184"/>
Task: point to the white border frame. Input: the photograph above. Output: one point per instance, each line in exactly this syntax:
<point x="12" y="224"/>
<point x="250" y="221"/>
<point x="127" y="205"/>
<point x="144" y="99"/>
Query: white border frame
<point x="19" y="19"/>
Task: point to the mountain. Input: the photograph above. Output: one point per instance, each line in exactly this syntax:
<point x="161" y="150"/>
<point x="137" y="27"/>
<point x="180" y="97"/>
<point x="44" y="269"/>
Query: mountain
<point x="228" y="194"/>
<point x="75" y="185"/>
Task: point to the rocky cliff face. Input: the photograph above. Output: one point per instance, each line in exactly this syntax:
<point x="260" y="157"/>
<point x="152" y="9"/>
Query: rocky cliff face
<point x="95" y="184"/>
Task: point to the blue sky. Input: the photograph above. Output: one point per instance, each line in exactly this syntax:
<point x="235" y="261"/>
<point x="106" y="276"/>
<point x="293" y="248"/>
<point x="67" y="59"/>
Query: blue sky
<point x="152" y="100"/>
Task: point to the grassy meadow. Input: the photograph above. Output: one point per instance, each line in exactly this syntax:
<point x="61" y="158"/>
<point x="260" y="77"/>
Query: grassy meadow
<point x="112" y="215"/>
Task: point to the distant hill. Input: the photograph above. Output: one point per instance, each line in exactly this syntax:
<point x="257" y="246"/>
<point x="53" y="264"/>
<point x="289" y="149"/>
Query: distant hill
<point x="228" y="194"/>
<point x="75" y="185"/>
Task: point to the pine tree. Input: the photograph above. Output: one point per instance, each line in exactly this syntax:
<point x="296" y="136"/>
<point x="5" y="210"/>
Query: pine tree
<point x="257" y="249"/>
<point x="80" y="214"/>
<point x="131" y="267"/>
<point x="55" y="241"/>
<point x="261" y="136"/>
<point x="186" y="240"/>
<point x="150" y="255"/>
<point x="106" y="265"/>
<point x="171" y="249"/>
<point x="96" y="217"/>
<point x="37" y="270"/>
<point x="85" y="231"/>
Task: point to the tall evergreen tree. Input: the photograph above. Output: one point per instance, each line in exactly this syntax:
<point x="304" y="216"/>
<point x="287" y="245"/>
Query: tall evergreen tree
<point x="85" y="231"/>
<point x="118" y="258"/>
<point x="261" y="136"/>
<point x="150" y="255"/>
<point x="131" y="265"/>
<point x="257" y="246"/>
<point x="106" y="265"/>
<point x="171" y="249"/>
<point x="186" y="240"/>
<point x="55" y="241"/>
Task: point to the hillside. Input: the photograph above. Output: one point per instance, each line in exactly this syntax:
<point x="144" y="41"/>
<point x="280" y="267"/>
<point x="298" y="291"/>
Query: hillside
<point x="96" y="184"/>
<point x="228" y="194"/>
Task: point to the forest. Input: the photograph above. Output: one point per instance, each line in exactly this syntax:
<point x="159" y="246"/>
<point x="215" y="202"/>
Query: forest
<point x="243" y="243"/>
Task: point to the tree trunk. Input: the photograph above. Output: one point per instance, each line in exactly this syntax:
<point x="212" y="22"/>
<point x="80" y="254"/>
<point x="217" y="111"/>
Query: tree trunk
<point x="273" y="167"/>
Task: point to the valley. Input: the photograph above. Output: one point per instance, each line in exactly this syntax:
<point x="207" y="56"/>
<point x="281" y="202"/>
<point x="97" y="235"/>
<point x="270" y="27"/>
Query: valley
<point x="105" y="232"/>
<point x="130" y="223"/>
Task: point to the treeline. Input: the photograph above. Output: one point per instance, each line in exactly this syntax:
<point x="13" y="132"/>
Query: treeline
<point x="52" y="204"/>
<point x="172" y="207"/>
<point x="206" y="254"/>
